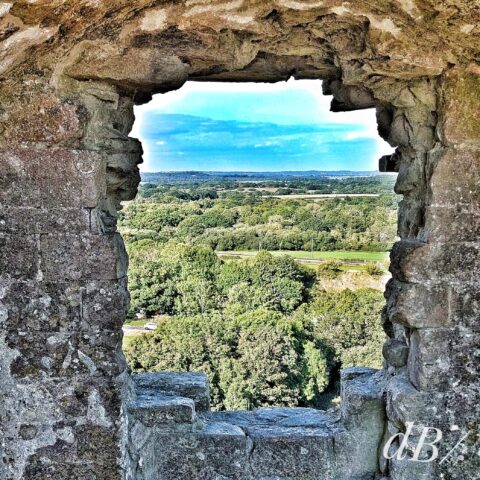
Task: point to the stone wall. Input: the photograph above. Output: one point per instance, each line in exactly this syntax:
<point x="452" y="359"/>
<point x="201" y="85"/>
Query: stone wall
<point x="432" y="299"/>
<point x="71" y="72"/>
<point x="174" y="435"/>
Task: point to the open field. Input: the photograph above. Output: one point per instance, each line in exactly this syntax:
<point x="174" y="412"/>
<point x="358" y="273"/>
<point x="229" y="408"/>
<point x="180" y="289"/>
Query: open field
<point x="354" y="257"/>
<point x="320" y="196"/>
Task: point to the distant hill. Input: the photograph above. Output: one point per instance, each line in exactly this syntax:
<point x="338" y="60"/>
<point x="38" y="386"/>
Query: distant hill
<point x="182" y="177"/>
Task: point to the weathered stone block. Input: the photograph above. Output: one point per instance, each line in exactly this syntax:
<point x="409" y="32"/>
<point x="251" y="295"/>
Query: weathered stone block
<point x="455" y="181"/>
<point x="276" y="416"/>
<point x="407" y="404"/>
<point x="219" y="450"/>
<point x="73" y="455"/>
<point x="429" y="361"/>
<point x="31" y="220"/>
<point x="441" y="263"/>
<point x="95" y="445"/>
<point x="465" y="307"/>
<point x="417" y="305"/>
<point x="192" y="385"/>
<point x="65" y="354"/>
<point x="39" y="468"/>
<point x="363" y="416"/>
<point x="395" y="352"/>
<point x="461" y="92"/>
<point x="285" y="453"/>
<point x="410" y="216"/>
<point x="465" y="356"/>
<point x="411" y="174"/>
<point x="103" y="303"/>
<point x="77" y="257"/>
<point x="407" y="469"/>
<point x="79" y="180"/>
<point x="123" y="176"/>
<point x="18" y="182"/>
<point x="153" y="409"/>
<point x="146" y="66"/>
<point x="454" y="412"/>
<point x="20" y="255"/>
<point x="361" y="393"/>
<point x="52" y="178"/>
<point x="458" y="223"/>
<point x="41" y="117"/>
<point x="442" y="359"/>
<point x="389" y="163"/>
<point x="94" y="400"/>
<point x="65" y="307"/>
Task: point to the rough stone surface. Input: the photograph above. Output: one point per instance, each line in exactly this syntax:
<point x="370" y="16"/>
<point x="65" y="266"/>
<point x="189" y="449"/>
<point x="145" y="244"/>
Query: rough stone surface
<point x="188" y="384"/>
<point x="71" y="72"/>
<point x="264" y="444"/>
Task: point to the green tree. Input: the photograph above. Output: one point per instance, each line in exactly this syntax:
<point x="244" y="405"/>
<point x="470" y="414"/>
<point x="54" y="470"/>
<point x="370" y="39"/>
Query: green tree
<point x="348" y="322"/>
<point x="260" y="358"/>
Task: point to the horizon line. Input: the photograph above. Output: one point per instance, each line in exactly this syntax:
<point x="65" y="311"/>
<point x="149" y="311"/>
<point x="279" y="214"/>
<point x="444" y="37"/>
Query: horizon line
<point x="261" y="171"/>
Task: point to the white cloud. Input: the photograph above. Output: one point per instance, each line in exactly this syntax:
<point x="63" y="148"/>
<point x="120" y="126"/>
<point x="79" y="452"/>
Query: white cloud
<point x="350" y="136"/>
<point x="364" y="118"/>
<point x="267" y="143"/>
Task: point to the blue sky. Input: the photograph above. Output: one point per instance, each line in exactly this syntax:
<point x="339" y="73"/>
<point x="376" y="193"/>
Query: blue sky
<point x="254" y="127"/>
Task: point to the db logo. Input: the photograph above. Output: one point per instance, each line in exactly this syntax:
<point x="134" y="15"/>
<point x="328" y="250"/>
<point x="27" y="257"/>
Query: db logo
<point x="428" y="447"/>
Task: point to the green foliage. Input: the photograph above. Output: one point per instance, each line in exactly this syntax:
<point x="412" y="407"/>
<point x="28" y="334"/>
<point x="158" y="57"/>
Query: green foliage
<point x="257" y="356"/>
<point x="152" y="279"/>
<point x="185" y="279"/>
<point x="374" y="269"/>
<point x="246" y="220"/>
<point x="329" y="269"/>
<point x="277" y="283"/>
<point x="172" y="278"/>
<point x="258" y="327"/>
<point x="349" y="324"/>
<point x="257" y="359"/>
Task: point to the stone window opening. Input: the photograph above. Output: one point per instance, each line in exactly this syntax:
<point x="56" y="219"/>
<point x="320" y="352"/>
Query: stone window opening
<point x="177" y="405"/>
<point x="68" y="408"/>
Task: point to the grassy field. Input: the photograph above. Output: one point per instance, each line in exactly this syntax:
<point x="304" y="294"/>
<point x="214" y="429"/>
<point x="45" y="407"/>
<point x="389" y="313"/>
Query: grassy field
<point x="136" y="323"/>
<point x="344" y="256"/>
<point x="321" y="196"/>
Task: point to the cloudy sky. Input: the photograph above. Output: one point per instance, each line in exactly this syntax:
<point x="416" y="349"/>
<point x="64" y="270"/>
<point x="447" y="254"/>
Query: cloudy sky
<point x="254" y="127"/>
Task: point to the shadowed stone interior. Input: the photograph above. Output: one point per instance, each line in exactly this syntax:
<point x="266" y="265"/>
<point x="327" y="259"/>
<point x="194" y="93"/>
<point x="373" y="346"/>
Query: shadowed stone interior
<point x="71" y="72"/>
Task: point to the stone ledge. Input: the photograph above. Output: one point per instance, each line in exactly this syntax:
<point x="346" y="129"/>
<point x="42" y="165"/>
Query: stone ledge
<point x="162" y="410"/>
<point x="263" y="444"/>
<point x="187" y="384"/>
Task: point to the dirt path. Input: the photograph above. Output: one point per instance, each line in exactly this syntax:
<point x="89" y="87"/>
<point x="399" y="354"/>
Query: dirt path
<point x="131" y="330"/>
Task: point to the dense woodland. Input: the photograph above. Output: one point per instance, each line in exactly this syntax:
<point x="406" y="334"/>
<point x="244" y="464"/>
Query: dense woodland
<point x="250" y="218"/>
<point x="262" y="328"/>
